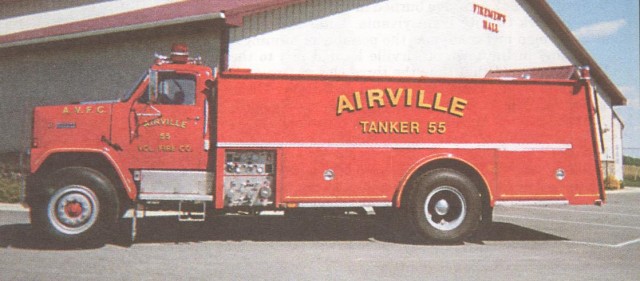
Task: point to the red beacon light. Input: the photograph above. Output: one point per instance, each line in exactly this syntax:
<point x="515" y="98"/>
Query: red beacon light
<point x="179" y="55"/>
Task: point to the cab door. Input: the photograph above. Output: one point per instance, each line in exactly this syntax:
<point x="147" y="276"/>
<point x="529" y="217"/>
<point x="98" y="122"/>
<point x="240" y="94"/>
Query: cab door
<point x="168" y="123"/>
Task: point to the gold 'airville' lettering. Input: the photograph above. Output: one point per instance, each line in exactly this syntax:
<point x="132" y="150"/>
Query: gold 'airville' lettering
<point x="394" y="98"/>
<point x="456" y="106"/>
<point x="375" y="96"/>
<point x="421" y="102"/>
<point x="378" y="98"/>
<point x="83" y="109"/>
<point x="166" y="122"/>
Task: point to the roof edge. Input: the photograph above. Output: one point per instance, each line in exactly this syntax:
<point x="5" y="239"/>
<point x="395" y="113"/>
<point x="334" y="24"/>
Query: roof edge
<point x="210" y="16"/>
<point x="557" y="26"/>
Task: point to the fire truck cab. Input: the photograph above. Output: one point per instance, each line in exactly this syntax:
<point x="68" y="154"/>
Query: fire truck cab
<point x="439" y="151"/>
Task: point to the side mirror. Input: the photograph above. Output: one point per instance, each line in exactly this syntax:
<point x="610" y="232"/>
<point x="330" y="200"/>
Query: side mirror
<point x="209" y="84"/>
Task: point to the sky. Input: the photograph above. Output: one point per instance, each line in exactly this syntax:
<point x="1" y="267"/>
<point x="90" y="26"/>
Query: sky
<point x="609" y="29"/>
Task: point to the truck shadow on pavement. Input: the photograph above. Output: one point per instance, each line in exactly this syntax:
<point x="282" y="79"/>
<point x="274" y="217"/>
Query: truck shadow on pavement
<point x="260" y="229"/>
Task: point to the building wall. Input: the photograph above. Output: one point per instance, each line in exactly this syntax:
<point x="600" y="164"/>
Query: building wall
<point x="83" y="70"/>
<point x="617" y="148"/>
<point x="611" y="130"/>
<point x="406" y="37"/>
<point x="394" y="37"/>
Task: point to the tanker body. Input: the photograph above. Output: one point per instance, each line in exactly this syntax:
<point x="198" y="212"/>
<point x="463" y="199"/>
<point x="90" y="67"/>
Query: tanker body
<point x="440" y="152"/>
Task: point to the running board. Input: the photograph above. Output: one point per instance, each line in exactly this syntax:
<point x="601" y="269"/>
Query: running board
<point x="192" y="211"/>
<point x="174" y="197"/>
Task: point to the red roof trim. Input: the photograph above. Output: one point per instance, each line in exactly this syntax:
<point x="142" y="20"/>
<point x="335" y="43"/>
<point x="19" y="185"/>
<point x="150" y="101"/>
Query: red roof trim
<point x="554" y="72"/>
<point x="233" y="10"/>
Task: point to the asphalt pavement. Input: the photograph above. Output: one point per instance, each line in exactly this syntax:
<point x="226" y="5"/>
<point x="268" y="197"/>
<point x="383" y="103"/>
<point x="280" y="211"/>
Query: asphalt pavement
<point x="524" y="243"/>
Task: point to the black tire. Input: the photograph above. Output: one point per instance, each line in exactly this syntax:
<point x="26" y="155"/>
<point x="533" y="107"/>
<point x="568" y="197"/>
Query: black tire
<point x="444" y="205"/>
<point x="76" y="205"/>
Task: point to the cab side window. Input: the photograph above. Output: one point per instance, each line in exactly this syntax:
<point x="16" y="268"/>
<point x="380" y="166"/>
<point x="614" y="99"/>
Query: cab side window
<point x="176" y="88"/>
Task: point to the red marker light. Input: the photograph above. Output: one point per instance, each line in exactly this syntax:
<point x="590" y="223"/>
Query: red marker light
<point x="179" y="53"/>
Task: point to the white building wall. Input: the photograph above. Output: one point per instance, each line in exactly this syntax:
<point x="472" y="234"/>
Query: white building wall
<point x="606" y="124"/>
<point x="617" y="148"/>
<point x="611" y="137"/>
<point x="394" y="37"/>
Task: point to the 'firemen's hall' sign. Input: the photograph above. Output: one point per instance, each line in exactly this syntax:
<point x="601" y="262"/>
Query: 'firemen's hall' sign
<point x="492" y="18"/>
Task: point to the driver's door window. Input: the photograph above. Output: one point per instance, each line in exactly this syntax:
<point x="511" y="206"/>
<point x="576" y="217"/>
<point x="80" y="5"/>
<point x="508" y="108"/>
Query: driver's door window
<point x="176" y="89"/>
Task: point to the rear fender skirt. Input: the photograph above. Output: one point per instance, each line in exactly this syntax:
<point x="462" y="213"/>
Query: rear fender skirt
<point x="429" y="159"/>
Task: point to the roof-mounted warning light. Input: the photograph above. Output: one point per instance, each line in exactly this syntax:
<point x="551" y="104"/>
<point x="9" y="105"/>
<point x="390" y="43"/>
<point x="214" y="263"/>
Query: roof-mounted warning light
<point x="179" y="55"/>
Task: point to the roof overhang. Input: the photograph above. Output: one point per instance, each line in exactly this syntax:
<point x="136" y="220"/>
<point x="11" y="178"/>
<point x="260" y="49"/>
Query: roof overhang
<point x="555" y="24"/>
<point x="51" y="34"/>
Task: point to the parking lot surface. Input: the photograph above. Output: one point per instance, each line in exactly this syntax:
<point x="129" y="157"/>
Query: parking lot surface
<point x="524" y="243"/>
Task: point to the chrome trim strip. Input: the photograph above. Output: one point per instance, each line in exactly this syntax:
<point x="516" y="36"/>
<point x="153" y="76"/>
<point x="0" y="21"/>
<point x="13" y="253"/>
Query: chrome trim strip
<point x="175" y="197"/>
<point x="345" y="204"/>
<point x="532" y="202"/>
<point x="497" y="146"/>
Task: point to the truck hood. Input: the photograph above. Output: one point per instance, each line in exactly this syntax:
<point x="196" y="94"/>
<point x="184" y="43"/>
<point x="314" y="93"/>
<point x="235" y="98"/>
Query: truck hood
<point x="73" y="125"/>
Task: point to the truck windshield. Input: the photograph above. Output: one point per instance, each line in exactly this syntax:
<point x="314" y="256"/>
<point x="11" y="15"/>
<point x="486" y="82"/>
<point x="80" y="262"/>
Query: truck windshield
<point x="128" y="95"/>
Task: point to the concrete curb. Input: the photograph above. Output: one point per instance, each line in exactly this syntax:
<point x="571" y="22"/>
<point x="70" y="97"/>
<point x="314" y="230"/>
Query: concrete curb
<point x="12" y="207"/>
<point x="626" y="189"/>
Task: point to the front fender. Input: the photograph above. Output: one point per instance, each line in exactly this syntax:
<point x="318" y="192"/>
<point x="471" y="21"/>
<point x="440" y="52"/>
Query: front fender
<point x="38" y="159"/>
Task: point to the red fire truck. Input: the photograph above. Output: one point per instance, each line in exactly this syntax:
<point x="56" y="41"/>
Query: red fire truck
<point x="442" y="152"/>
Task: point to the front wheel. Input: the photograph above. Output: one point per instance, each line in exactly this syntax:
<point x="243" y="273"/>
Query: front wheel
<point x="444" y="205"/>
<point x="77" y="205"/>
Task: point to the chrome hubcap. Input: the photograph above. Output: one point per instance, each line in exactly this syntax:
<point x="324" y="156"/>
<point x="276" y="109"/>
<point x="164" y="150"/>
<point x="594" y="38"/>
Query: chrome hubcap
<point x="442" y="207"/>
<point x="73" y="209"/>
<point x="445" y="208"/>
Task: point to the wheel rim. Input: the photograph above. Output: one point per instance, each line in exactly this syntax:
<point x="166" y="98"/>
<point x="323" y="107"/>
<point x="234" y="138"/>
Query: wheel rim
<point x="445" y="208"/>
<point x="73" y="209"/>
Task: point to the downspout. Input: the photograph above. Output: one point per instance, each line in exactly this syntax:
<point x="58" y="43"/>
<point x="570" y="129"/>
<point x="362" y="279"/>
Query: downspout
<point x="596" y="131"/>
<point x="613" y="141"/>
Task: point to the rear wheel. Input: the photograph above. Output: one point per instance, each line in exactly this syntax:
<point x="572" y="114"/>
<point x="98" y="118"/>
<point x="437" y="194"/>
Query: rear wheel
<point x="77" y="205"/>
<point x="444" y="205"/>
